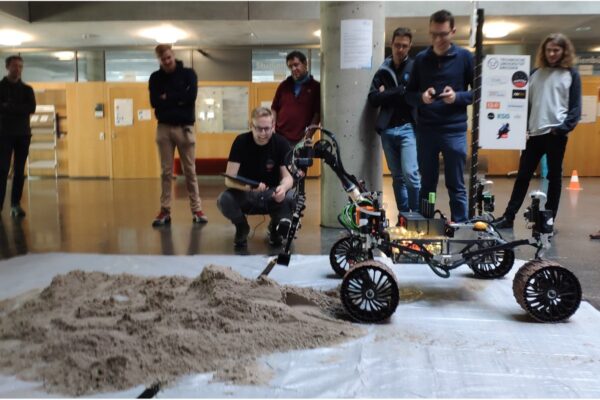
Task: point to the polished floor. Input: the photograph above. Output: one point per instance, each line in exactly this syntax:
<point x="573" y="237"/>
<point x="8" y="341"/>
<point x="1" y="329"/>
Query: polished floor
<point x="114" y="217"/>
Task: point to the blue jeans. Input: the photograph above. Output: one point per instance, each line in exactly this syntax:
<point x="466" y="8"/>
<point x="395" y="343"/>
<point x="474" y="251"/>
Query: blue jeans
<point x="400" y="148"/>
<point x="453" y="147"/>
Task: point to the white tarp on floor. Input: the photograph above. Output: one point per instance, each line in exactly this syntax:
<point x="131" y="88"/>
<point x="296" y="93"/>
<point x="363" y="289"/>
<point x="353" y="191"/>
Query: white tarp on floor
<point x="457" y="337"/>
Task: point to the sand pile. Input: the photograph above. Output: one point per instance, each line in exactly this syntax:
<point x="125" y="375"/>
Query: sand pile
<point x="94" y="332"/>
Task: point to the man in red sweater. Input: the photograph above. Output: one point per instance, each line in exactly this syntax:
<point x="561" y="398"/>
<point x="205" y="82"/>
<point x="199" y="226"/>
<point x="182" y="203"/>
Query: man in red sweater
<point x="297" y="101"/>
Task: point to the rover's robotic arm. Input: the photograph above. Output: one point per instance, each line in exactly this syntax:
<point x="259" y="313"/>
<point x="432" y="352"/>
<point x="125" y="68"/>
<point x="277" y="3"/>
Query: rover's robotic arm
<point x="302" y="157"/>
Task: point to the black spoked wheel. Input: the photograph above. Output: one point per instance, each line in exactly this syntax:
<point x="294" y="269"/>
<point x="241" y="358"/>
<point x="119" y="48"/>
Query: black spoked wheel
<point x="547" y="291"/>
<point x="494" y="264"/>
<point x="369" y="292"/>
<point x="345" y="253"/>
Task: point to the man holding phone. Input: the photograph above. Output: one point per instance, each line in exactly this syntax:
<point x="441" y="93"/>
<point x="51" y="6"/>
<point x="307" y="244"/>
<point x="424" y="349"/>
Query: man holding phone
<point x="439" y="90"/>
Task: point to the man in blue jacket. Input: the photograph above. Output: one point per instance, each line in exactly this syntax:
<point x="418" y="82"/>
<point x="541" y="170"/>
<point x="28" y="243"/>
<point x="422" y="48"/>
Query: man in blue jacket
<point x="439" y="89"/>
<point x="395" y="121"/>
<point x="173" y="91"/>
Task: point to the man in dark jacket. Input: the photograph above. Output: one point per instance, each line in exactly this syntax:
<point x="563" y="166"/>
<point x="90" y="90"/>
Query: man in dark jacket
<point x="173" y="91"/>
<point x="395" y="121"/>
<point x="17" y="103"/>
<point x="439" y="89"/>
<point x="297" y="101"/>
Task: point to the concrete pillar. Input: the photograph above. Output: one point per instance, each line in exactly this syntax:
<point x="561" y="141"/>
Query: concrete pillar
<point x="345" y="111"/>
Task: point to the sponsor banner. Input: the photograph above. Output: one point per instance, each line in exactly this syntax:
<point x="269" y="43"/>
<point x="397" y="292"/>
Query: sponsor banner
<point x="504" y="93"/>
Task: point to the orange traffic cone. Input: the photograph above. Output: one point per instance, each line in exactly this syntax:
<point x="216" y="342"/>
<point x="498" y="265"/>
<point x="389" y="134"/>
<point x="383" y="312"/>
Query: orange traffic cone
<point x="574" y="184"/>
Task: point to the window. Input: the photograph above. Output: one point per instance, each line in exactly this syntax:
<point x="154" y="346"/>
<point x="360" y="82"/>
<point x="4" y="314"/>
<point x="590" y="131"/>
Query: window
<point x="222" y="109"/>
<point x="130" y="65"/>
<point x="137" y="65"/>
<point x="315" y="63"/>
<point x="268" y="65"/>
<point x="90" y="66"/>
<point x="55" y="66"/>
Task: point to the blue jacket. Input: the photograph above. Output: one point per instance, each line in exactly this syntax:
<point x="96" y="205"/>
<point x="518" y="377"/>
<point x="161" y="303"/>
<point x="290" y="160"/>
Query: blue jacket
<point x="181" y="88"/>
<point x="454" y="69"/>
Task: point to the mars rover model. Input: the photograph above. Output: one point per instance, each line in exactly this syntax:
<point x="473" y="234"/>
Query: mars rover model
<point x="369" y="291"/>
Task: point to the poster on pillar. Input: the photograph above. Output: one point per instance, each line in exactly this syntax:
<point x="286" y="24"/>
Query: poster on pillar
<point x="504" y="102"/>
<point x="356" y="47"/>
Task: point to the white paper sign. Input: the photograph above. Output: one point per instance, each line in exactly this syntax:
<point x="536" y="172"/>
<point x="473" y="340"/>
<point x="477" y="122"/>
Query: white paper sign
<point x="356" y="44"/>
<point x="504" y="96"/>
<point x="123" y="112"/>
<point x="586" y="69"/>
<point x="144" y="115"/>
<point x="588" y="109"/>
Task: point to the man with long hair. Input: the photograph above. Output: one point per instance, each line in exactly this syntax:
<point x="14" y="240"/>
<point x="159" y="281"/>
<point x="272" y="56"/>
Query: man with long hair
<point x="554" y="111"/>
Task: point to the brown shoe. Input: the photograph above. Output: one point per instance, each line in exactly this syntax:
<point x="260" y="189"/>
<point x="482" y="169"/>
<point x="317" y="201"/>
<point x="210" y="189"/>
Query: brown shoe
<point x="595" y="235"/>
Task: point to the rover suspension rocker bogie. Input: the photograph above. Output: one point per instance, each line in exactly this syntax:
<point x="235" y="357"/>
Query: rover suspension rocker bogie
<point x="369" y="292"/>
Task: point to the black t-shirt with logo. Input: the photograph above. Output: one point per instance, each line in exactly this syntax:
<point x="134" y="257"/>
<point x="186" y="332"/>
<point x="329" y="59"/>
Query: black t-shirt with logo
<point x="260" y="163"/>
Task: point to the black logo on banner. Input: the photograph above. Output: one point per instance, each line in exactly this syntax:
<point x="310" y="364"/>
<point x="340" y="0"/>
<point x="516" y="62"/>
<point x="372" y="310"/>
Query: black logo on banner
<point x="519" y="79"/>
<point x="518" y="94"/>
<point x="491" y="116"/>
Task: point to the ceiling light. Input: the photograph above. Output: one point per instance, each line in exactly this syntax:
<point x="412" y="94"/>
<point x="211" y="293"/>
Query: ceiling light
<point x="164" y="34"/>
<point x="583" y="29"/>
<point x="317" y="33"/>
<point x="65" y="55"/>
<point x="595" y="49"/>
<point x="10" y="37"/>
<point x="494" y="30"/>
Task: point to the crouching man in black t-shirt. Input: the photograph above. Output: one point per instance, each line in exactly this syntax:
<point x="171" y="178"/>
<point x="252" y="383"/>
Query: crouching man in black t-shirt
<point x="258" y="155"/>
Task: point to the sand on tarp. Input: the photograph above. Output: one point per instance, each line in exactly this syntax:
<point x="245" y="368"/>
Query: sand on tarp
<point x="90" y="332"/>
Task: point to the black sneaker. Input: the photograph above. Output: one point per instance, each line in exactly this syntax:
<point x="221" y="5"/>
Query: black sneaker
<point x="241" y="234"/>
<point x="503" y="223"/>
<point x="273" y="236"/>
<point x="162" y="219"/>
<point x="17" y="211"/>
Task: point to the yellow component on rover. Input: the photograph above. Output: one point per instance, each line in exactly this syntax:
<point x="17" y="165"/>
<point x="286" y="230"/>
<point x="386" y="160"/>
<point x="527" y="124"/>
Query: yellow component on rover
<point x="480" y="226"/>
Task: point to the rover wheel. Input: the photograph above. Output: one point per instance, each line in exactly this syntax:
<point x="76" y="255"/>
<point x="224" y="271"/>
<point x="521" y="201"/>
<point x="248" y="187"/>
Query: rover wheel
<point x="494" y="264"/>
<point x="345" y="253"/>
<point x="547" y="291"/>
<point x="369" y="292"/>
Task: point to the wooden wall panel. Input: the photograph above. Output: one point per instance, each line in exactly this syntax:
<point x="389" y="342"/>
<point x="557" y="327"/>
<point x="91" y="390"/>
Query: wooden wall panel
<point x="584" y="141"/>
<point x="82" y="153"/>
<point x="133" y="148"/>
<point x="89" y="147"/>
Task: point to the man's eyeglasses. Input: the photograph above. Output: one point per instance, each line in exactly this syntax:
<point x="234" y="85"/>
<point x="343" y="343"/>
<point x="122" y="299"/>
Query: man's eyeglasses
<point x="440" y="35"/>
<point x="264" y="129"/>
